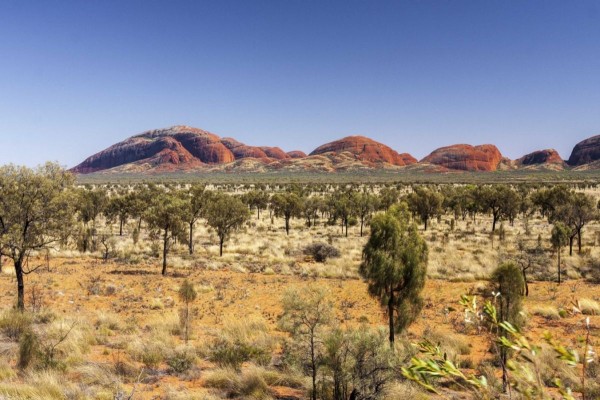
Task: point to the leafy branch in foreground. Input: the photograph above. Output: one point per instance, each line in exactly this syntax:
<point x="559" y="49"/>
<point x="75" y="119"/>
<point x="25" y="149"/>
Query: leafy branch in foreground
<point x="524" y="366"/>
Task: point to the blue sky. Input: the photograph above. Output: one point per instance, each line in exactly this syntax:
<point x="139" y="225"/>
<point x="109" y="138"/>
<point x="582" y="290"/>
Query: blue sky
<point x="78" y="76"/>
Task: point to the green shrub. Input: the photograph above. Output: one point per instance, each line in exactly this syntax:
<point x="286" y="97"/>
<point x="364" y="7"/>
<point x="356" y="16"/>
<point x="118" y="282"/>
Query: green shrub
<point x="321" y="251"/>
<point x="181" y="360"/>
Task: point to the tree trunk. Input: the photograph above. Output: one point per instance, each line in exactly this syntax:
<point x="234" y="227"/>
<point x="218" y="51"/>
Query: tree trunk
<point x="571" y="245"/>
<point x="391" y="317"/>
<point x="20" y="284"/>
<point x="165" y="249"/>
<point x="362" y="222"/>
<point x="287" y="225"/>
<point x="191" y="243"/>
<point x="494" y="223"/>
<point x="559" y="265"/>
<point x="313" y="366"/>
<point x="526" y="284"/>
<point x="426" y="219"/>
<point x="221" y="240"/>
<point x="120" y="227"/>
<point x="579" y="240"/>
<point x="257" y="212"/>
<point x="346" y="225"/>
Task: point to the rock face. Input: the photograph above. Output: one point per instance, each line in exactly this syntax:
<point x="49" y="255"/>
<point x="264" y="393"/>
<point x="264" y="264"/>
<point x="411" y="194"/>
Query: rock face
<point x="548" y="156"/>
<point x="174" y="146"/>
<point x="366" y="150"/>
<point x="464" y="157"/>
<point x="296" y="154"/>
<point x="585" y="152"/>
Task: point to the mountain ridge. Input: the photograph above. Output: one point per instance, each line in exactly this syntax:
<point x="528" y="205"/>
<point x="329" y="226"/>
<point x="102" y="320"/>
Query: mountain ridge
<point x="186" y="148"/>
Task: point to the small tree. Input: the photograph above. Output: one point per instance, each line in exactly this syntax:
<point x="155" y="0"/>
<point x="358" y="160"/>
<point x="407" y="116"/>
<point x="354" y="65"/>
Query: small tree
<point x="196" y="199"/>
<point x="118" y="208"/>
<point x="507" y="284"/>
<point x="559" y="239"/>
<point x="165" y="215"/>
<point x="187" y="294"/>
<point x="364" y="205"/>
<point x="426" y="203"/>
<point x="35" y="210"/>
<point x="395" y="264"/>
<point x="287" y="205"/>
<point x="226" y="214"/>
<point x="306" y="314"/>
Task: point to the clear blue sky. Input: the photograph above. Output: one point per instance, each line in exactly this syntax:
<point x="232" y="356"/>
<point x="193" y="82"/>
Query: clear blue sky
<point x="78" y="76"/>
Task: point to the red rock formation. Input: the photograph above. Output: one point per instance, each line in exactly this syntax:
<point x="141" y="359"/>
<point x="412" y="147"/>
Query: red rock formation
<point x="296" y="154"/>
<point x="366" y="149"/>
<point x="465" y="157"/>
<point x="240" y="150"/>
<point x="275" y="152"/>
<point x="585" y="152"/>
<point x="548" y="156"/>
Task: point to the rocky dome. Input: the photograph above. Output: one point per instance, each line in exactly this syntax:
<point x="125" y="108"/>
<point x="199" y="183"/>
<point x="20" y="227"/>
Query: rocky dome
<point x="465" y="157"/>
<point x="296" y="154"/>
<point x="366" y="149"/>
<point x="548" y="156"/>
<point x="585" y="152"/>
<point x="175" y="145"/>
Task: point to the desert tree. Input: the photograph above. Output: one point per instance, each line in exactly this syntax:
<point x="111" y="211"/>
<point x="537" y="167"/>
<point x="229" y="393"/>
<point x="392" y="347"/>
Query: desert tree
<point x="90" y="204"/>
<point x="576" y="213"/>
<point x="257" y="199"/>
<point x="187" y="293"/>
<point x="225" y="214"/>
<point x="196" y="199"/>
<point x="364" y="204"/>
<point x="286" y="206"/>
<point x="559" y="239"/>
<point x="36" y="207"/>
<point x="395" y="265"/>
<point x="342" y="207"/>
<point x="507" y="289"/>
<point x="548" y="201"/>
<point x="499" y="200"/>
<point x="311" y="208"/>
<point x="388" y="196"/>
<point x="306" y="316"/>
<point x="425" y="203"/>
<point x="118" y="209"/>
<point x="165" y="216"/>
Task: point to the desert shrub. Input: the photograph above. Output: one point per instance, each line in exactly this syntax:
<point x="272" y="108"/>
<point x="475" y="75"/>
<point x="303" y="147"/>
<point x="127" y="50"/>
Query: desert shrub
<point x="588" y="306"/>
<point x="14" y="323"/>
<point x="320" y="252"/>
<point x="240" y="342"/>
<point x="29" y="349"/>
<point x="547" y="312"/>
<point x="152" y="356"/>
<point x="181" y="360"/>
<point x="249" y="385"/>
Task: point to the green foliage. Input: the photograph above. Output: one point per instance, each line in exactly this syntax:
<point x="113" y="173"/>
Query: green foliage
<point x="181" y="360"/>
<point x="36" y="210"/>
<point x="287" y="206"/>
<point x="395" y="264"/>
<point x="226" y="214"/>
<point x="425" y="203"/>
<point x="165" y="218"/>
<point x="320" y="252"/>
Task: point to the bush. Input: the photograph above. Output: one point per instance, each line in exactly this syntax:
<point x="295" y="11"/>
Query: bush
<point x="14" y="323"/>
<point x="240" y="343"/>
<point x="321" y="251"/>
<point x="181" y="360"/>
<point x="28" y="349"/>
